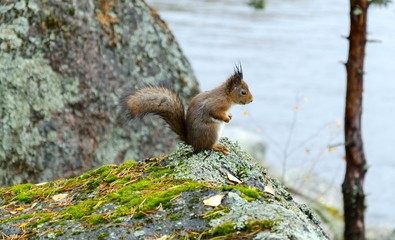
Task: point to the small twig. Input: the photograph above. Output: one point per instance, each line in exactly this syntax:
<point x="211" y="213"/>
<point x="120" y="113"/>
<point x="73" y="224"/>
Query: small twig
<point x="288" y="142"/>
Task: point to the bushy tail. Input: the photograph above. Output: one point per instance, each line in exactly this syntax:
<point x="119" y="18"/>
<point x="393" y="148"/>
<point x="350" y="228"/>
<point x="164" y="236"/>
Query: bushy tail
<point x="160" y="101"/>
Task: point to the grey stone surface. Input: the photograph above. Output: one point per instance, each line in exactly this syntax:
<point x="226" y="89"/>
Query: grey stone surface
<point x="63" y="67"/>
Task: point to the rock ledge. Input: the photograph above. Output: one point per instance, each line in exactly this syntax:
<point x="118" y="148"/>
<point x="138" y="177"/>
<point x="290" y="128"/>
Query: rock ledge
<point x="160" y="198"/>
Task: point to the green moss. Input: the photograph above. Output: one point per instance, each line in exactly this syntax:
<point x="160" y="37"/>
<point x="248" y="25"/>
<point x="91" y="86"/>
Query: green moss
<point x="58" y="233"/>
<point x="103" y="236"/>
<point x="106" y="174"/>
<point x="92" y="184"/>
<point x="41" y="218"/>
<point x="222" y="230"/>
<point x="229" y="230"/>
<point x="44" y="218"/>
<point x="123" y="181"/>
<point x="217" y="212"/>
<point x="118" y="220"/>
<point x="110" y="178"/>
<point x="249" y="193"/>
<point x="24" y="198"/>
<point x="17" y="218"/>
<point x="122" y="211"/>
<point x="148" y="194"/>
<point x="157" y="172"/>
<point x="265" y="224"/>
<point x="103" y="171"/>
<point x="26" y="193"/>
<point x="174" y="217"/>
<point x="95" y="219"/>
<point x="17" y="189"/>
<point x="128" y="164"/>
<point x="68" y="184"/>
<point x="153" y="199"/>
<point x="86" y="175"/>
<point x="79" y="210"/>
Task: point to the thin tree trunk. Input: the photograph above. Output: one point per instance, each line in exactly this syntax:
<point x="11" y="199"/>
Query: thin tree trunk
<point x="353" y="192"/>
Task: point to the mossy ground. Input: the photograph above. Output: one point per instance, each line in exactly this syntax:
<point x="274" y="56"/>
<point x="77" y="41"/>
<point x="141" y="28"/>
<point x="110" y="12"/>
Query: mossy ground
<point x="136" y="189"/>
<point x="28" y="205"/>
<point x="142" y="200"/>
<point x="228" y="230"/>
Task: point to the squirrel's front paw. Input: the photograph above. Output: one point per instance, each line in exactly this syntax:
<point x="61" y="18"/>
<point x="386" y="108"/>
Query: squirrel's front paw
<point x="230" y="116"/>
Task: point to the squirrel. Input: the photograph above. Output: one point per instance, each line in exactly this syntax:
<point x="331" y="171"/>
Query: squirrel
<point x="201" y="126"/>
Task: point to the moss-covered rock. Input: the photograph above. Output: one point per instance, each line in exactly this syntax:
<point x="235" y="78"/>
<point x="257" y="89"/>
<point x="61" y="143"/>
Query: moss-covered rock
<point x="63" y="66"/>
<point x="160" y="198"/>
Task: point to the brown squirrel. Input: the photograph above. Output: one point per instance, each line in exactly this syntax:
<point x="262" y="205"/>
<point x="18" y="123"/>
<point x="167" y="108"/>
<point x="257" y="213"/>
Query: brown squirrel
<point x="206" y="115"/>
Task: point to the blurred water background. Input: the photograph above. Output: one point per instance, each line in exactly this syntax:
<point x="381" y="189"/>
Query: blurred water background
<point x="292" y="54"/>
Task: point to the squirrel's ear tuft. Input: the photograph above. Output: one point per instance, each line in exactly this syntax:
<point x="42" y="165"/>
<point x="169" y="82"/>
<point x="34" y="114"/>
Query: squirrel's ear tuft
<point x="238" y="72"/>
<point x="235" y="79"/>
<point x="237" y="76"/>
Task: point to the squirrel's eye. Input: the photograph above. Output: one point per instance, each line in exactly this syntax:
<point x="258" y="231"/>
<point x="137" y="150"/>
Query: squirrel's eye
<point x="243" y="92"/>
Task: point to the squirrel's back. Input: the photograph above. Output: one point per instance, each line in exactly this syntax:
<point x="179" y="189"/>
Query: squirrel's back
<point x="156" y="100"/>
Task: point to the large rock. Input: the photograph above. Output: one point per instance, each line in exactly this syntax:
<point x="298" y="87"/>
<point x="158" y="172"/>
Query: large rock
<point x="162" y="198"/>
<point x="63" y="66"/>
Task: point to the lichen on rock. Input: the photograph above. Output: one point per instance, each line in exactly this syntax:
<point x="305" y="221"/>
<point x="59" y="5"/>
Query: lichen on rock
<point x="64" y="65"/>
<point x="193" y="167"/>
<point x="30" y="93"/>
<point x="280" y="209"/>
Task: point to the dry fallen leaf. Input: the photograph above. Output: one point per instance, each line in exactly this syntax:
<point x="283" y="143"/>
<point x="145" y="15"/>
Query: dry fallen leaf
<point x="19" y="208"/>
<point x="41" y="184"/>
<point x="269" y="189"/>
<point x="164" y="237"/>
<point x="98" y="204"/>
<point x="233" y="178"/>
<point x="112" y="165"/>
<point x="23" y="225"/>
<point x="33" y="205"/>
<point x="59" y="197"/>
<point x="214" y="200"/>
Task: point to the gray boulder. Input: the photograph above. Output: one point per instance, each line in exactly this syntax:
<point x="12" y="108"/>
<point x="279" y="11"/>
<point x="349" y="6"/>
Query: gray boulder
<point x="63" y="67"/>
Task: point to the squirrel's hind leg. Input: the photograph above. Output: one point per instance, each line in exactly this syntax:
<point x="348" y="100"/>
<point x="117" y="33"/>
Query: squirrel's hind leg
<point x="220" y="148"/>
